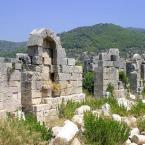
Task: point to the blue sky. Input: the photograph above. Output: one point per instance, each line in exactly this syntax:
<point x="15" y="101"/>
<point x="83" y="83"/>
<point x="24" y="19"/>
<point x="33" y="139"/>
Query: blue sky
<point x="19" y="17"/>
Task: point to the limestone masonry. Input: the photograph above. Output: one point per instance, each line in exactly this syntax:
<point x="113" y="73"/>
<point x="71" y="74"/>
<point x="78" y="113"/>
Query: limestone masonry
<point x="38" y="81"/>
<point x="107" y="66"/>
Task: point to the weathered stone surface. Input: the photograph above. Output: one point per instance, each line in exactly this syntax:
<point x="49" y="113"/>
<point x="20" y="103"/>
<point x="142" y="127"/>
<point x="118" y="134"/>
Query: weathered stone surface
<point x="36" y="81"/>
<point x="116" y="117"/>
<point x="71" y="61"/>
<point x="130" y="121"/>
<point x="82" y="109"/>
<point x="138" y="139"/>
<point x="78" y="119"/>
<point x="133" y="132"/>
<point x="56" y="130"/>
<point x="66" y="134"/>
<point x="127" y="142"/>
<point x="75" y="142"/>
<point x="106" y="109"/>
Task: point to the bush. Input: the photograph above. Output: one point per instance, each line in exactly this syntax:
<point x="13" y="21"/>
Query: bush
<point x="35" y="126"/>
<point x="141" y="124"/>
<point x="123" y="77"/>
<point x="115" y="108"/>
<point x="138" y="109"/>
<point x="20" y="132"/>
<point x="110" y="88"/>
<point x="143" y="92"/>
<point x="67" y="110"/>
<point x="103" y="131"/>
<point x="88" y="82"/>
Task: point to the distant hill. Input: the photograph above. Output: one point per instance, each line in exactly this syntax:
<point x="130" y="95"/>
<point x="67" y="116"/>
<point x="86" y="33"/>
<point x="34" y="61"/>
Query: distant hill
<point x="8" y="45"/>
<point x="136" y="29"/>
<point x="102" y="36"/>
<point x="9" y="49"/>
<point x="93" y="39"/>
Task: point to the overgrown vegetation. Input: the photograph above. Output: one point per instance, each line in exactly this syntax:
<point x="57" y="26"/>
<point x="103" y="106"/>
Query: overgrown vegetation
<point x="110" y="88"/>
<point x="138" y="109"/>
<point x="123" y="77"/>
<point x="141" y="124"/>
<point x="143" y="92"/>
<point x="103" y="131"/>
<point x="67" y="110"/>
<point x="88" y="82"/>
<point x="20" y="132"/>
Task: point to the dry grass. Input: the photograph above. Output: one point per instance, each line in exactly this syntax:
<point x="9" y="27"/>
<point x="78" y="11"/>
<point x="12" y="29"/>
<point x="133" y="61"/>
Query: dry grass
<point x="17" y="132"/>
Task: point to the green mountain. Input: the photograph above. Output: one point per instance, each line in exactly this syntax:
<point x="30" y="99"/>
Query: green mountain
<point x="91" y="39"/>
<point x="136" y="29"/>
<point x="102" y="36"/>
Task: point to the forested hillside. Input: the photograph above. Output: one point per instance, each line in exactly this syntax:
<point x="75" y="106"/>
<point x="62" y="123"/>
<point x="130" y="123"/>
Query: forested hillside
<point x="102" y="36"/>
<point x="91" y="39"/>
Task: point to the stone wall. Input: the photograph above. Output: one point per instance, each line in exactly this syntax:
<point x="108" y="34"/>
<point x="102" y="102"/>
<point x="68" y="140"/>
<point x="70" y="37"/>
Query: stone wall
<point x="10" y="87"/>
<point x="107" y="72"/>
<point x="39" y="81"/>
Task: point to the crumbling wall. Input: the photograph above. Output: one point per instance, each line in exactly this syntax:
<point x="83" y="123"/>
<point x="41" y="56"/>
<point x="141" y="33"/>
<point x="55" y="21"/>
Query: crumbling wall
<point x="10" y="87"/>
<point x="50" y="76"/>
<point x="107" y="72"/>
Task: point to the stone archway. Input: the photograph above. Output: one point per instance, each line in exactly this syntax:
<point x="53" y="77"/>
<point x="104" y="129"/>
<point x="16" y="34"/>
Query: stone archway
<point x="49" y="48"/>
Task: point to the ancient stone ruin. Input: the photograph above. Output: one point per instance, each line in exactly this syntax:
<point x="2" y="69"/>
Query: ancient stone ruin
<point x="107" y="72"/>
<point x="107" y="66"/>
<point x="37" y="82"/>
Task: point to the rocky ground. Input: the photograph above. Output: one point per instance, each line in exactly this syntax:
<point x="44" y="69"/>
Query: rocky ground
<point x="69" y="132"/>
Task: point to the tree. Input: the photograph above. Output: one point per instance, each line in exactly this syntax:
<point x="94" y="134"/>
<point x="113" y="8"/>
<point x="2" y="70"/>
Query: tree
<point x="88" y="81"/>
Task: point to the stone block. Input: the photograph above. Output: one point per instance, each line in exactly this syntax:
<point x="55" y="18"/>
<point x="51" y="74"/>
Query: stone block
<point x="37" y="60"/>
<point x="77" y="90"/>
<point x="36" y="94"/>
<point x="18" y="66"/>
<point x="35" y="76"/>
<point x="104" y="57"/>
<point x="36" y="101"/>
<point x="60" y="61"/>
<point x="108" y="63"/>
<point x="15" y="76"/>
<point x="62" y="76"/>
<point x="78" y="69"/>
<point x="76" y="76"/>
<point x="66" y="69"/>
<point x="71" y="61"/>
<point x="47" y="60"/>
<point x="41" y="107"/>
<point x="38" y="69"/>
<point x="63" y="84"/>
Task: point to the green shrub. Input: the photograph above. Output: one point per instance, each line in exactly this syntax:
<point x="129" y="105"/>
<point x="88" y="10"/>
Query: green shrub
<point x="138" y="109"/>
<point x="115" y="108"/>
<point x="35" y="126"/>
<point x="141" y="124"/>
<point x="20" y="132"/>
<point x="103" y="131"/>
<point x="123" y="77"/>
<point x="88" y="82"/>
<point x="110" y="88"/>
<point x="67" y="110"/>
<point x="143" y="92"/>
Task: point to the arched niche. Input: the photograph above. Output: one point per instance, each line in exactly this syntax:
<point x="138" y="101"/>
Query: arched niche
<point x="49" y="50"/>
